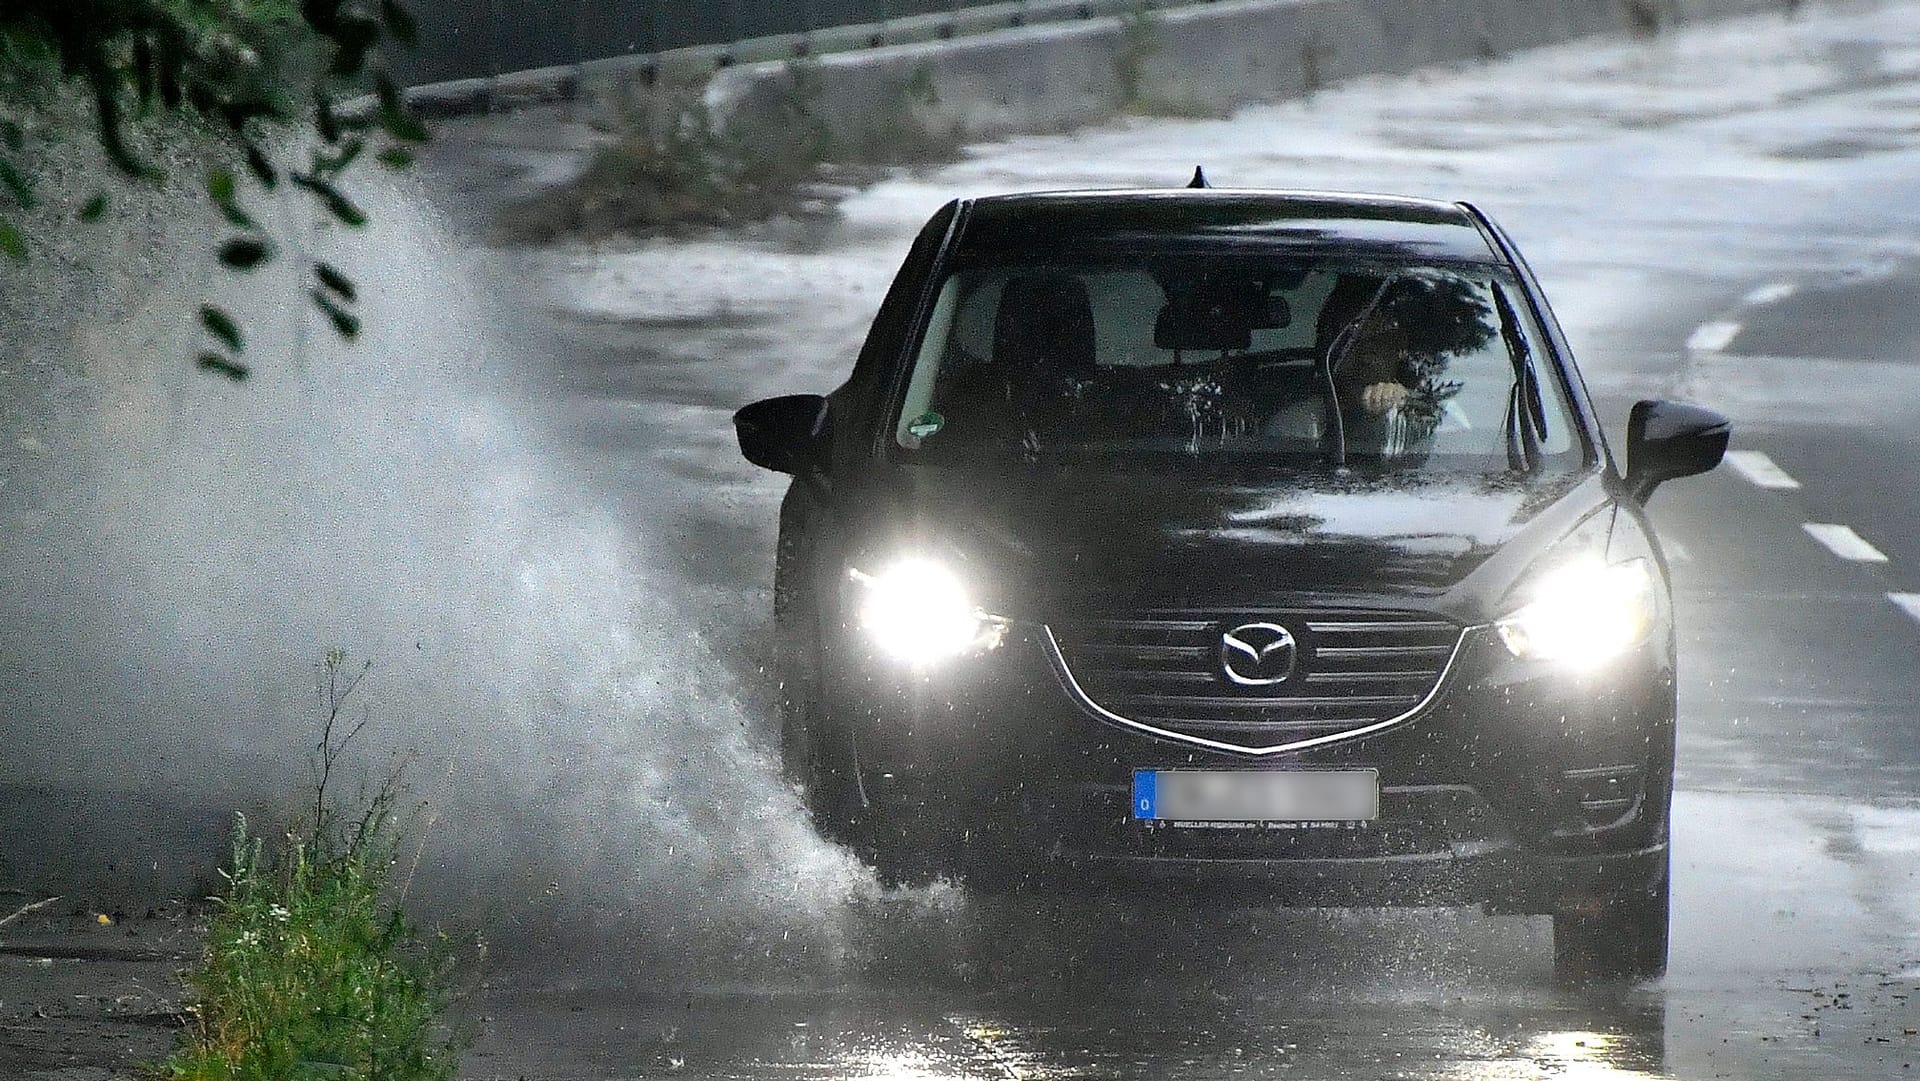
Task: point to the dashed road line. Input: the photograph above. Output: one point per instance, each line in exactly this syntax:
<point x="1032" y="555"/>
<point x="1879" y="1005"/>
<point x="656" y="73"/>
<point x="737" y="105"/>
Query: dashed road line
<point x="1908" y="602"/>
<point x="1844" y="542"/>
<point x="1713" y="337"/>
<point x="1759" y="469"/>
<point x="1769" y="294"/>
<point x="1676" y="552"/>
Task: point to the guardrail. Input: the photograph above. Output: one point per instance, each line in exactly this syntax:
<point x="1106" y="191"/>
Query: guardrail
<point x="485" y="39"/>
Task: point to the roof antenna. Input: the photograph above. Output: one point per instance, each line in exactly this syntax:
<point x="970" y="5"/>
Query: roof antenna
<point x="1199" y="179"/>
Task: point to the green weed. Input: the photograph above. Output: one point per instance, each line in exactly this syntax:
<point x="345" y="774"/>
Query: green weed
<point x="672" y="164"/>
<point x="1139" y="41"/>
<point x="312" y="972"/>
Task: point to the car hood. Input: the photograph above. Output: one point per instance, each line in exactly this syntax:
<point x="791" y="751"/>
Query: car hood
<point x="1036" y="544"/>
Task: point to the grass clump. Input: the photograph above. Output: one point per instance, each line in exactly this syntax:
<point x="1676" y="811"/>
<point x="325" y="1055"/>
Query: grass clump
<point x="312" y="971"/>
<point x="671" y="164"/>
<point x="1139" y="41"/>
<point x="911" y="128"/>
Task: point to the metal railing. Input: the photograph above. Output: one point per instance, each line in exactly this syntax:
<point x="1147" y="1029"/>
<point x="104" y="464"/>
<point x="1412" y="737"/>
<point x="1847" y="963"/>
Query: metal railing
<point x="465" y="39"/>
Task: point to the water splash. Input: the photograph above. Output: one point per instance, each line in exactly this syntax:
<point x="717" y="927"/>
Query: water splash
<point x="180" y="550"/>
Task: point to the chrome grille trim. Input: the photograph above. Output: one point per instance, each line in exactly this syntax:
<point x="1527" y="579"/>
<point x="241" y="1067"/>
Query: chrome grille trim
<point x="1085" y="701"/>
<point x="1345" y="627"/>
<point x="1365" y="677"/>
<point x="1229" y="702"/>
<point x="1153" y="624"/>
<point x="1382" y="651"/>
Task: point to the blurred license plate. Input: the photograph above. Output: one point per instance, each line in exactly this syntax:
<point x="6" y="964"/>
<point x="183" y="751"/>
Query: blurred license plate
<point x="1167" y="795"/>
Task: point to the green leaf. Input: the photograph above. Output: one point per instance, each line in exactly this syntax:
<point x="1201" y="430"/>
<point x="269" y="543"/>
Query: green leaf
<point x="95" y="208"/>
<point x="399" y="23"/>
<point x="337" y="204"/>
<point x="406" y="128"/>
<point x="222" y="326"/>
<point x="397" y="157"/>
<point x="324" y="118"/>
<point x="214" y="362"/>
<point x="353" y="37"/>
<point x="387" y="92"/>
<point x="237" y="217"/>
<point x="332" y="165"/>
<point x="344" y="322"/>
<point x="262" y="169"/>
<point x="394" y="116"/>
<point x="331" y="277"/>
<point x="244" y="253"/>
<point x="16" y="182"/>
<point x="143" y="69"/>
<point x="221" y="187"/>
<point x="12" y="244"/>
<point x="171" y="95"/>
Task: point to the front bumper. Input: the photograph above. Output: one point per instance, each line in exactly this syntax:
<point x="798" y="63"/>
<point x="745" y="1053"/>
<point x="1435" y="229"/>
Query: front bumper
<point x="1512" y="785"/>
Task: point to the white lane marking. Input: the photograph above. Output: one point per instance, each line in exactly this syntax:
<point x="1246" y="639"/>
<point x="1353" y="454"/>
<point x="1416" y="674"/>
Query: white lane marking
<point x="1759" y="469"/>
<point x="1713" y="337"/>
<point x="1844" y="542"/>
<point x="1769" y="294"/>
<point x="1677" y="552"/>
<point x="1908" y="602"/>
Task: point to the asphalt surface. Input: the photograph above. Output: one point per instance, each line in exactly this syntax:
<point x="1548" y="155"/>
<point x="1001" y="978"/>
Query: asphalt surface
<point x="1723" y="215"/>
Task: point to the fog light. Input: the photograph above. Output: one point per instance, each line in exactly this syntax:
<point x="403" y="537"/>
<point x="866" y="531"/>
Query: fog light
<point x="918" y="611"/>
<point x="1584" y="614"/>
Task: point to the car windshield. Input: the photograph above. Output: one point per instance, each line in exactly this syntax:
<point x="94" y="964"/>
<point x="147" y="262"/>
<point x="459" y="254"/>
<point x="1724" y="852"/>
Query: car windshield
<point x="1273" y="360"/>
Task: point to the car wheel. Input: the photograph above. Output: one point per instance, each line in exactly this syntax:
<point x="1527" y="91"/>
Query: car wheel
<point x="1625" y="939"/>
<point x="827" y="789"/>
<point x="808" y="760"/>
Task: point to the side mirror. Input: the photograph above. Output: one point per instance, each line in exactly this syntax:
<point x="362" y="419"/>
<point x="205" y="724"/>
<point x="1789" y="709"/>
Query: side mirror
<point x="1666" y="440"/>
<point x="786" y="434"/>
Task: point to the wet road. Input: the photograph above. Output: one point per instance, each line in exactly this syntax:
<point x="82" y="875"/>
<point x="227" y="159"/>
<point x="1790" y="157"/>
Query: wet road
<point x="1725" y="215"/>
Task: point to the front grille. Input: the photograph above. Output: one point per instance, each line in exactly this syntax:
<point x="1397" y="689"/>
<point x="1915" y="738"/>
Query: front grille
<point x="1164" y="670"/>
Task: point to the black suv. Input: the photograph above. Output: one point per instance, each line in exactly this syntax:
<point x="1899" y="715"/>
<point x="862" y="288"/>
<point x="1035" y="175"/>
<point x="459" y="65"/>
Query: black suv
<point x="1251" y="541"/>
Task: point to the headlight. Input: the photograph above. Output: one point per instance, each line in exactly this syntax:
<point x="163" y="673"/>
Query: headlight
<point x="917" y="610"/>
<point x="1584" y="614"/>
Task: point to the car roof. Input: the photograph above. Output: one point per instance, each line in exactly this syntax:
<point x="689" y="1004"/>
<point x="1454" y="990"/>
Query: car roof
<point x="1323" y="222"/>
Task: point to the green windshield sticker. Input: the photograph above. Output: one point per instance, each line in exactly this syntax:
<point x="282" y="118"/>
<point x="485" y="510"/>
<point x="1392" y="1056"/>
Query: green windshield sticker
<point x="925" y="424"/>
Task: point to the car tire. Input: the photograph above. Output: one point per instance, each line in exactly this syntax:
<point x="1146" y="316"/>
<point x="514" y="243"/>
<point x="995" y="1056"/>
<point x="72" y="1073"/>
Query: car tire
<point x="1625" y="940"/>
<point x="818" y="753"/>
<point x="820" y="759"/>
<point x="828" y="788"/>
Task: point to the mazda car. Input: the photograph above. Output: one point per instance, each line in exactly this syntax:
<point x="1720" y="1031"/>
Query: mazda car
<point x="1254" y="544"/>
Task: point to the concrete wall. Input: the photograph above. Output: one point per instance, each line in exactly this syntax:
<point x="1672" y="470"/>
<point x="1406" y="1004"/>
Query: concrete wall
<point x="1202" y="59"/>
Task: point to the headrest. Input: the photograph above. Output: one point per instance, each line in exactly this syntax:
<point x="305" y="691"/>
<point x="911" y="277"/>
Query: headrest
<point x="1045" y="320"/>
<point x="1217" y="311"/>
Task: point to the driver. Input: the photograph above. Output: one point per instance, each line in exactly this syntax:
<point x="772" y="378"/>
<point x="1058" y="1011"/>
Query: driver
<point x="1372" y="372"/>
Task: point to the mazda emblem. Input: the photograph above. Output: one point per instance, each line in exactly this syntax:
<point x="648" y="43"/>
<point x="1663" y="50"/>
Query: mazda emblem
<point x="1257" y="654"/>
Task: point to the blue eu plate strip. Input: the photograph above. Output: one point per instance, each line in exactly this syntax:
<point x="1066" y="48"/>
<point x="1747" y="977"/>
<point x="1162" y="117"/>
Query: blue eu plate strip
<point x="1143" y="798"/>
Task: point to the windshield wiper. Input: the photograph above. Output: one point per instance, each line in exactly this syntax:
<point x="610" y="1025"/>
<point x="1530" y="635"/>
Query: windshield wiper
<point x="1526" y="415"/>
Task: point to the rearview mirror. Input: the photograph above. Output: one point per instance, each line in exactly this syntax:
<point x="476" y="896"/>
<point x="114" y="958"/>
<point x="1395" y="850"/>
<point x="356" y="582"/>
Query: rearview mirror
<point x="785" y="434"/>
<point x="1666" y="440"/>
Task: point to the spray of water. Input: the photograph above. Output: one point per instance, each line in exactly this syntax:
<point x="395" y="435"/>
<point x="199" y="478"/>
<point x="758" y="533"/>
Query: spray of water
<point x="179" y="551"/>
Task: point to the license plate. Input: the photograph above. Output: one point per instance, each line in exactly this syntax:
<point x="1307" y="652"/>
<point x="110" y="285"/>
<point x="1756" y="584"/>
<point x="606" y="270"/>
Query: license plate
<point x="1251" y="796"/>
